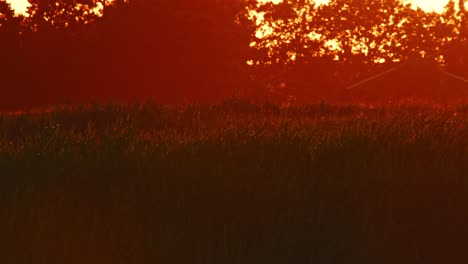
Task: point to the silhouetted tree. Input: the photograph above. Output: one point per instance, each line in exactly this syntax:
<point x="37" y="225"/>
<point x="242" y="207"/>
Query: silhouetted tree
<point x="65" y="13"/>
<point x="456" y="48"/>
<point x="365" y="31"/>
<point x="285" y="32"/>
<point x="173" y="51"/>
<point x="55" y="65"/>
<point x="12" y="65"/>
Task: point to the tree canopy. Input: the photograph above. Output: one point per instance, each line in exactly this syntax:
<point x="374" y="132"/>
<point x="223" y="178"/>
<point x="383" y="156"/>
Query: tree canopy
<point x="298" y="44"/>
<point x="367" y="31"/>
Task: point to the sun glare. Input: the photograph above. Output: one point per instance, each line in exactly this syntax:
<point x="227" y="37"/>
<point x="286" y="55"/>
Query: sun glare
<point x="20" y="6"/>
<point x="430" y="5"/>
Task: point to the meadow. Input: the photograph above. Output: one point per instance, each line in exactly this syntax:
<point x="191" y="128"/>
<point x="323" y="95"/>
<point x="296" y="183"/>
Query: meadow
<point x="235" y="183"/>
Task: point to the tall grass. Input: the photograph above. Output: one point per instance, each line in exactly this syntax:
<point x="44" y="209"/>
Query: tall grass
<point x="235" y="183"/>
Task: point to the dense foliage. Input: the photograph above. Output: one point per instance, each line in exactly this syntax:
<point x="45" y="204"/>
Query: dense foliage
<point x="349" y="31"/>
<point x="234" y="183"/>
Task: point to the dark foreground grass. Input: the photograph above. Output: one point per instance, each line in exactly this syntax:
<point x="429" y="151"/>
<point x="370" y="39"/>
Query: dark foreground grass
<point x="234" y="183"/>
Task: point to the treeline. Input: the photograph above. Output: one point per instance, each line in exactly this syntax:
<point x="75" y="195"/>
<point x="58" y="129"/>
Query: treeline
<point x="183" y="51"/>
<point x="300" y="45"/>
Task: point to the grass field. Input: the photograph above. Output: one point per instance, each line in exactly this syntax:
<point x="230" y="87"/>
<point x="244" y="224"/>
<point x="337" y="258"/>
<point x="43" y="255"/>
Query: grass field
<point x="235" y="183"/>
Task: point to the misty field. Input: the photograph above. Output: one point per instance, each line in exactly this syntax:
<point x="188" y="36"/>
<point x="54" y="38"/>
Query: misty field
<point x="235" y="183"/>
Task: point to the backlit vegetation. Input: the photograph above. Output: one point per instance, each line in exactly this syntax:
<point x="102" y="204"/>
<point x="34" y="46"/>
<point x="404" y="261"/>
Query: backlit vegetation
<point x="235" y="183"/>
